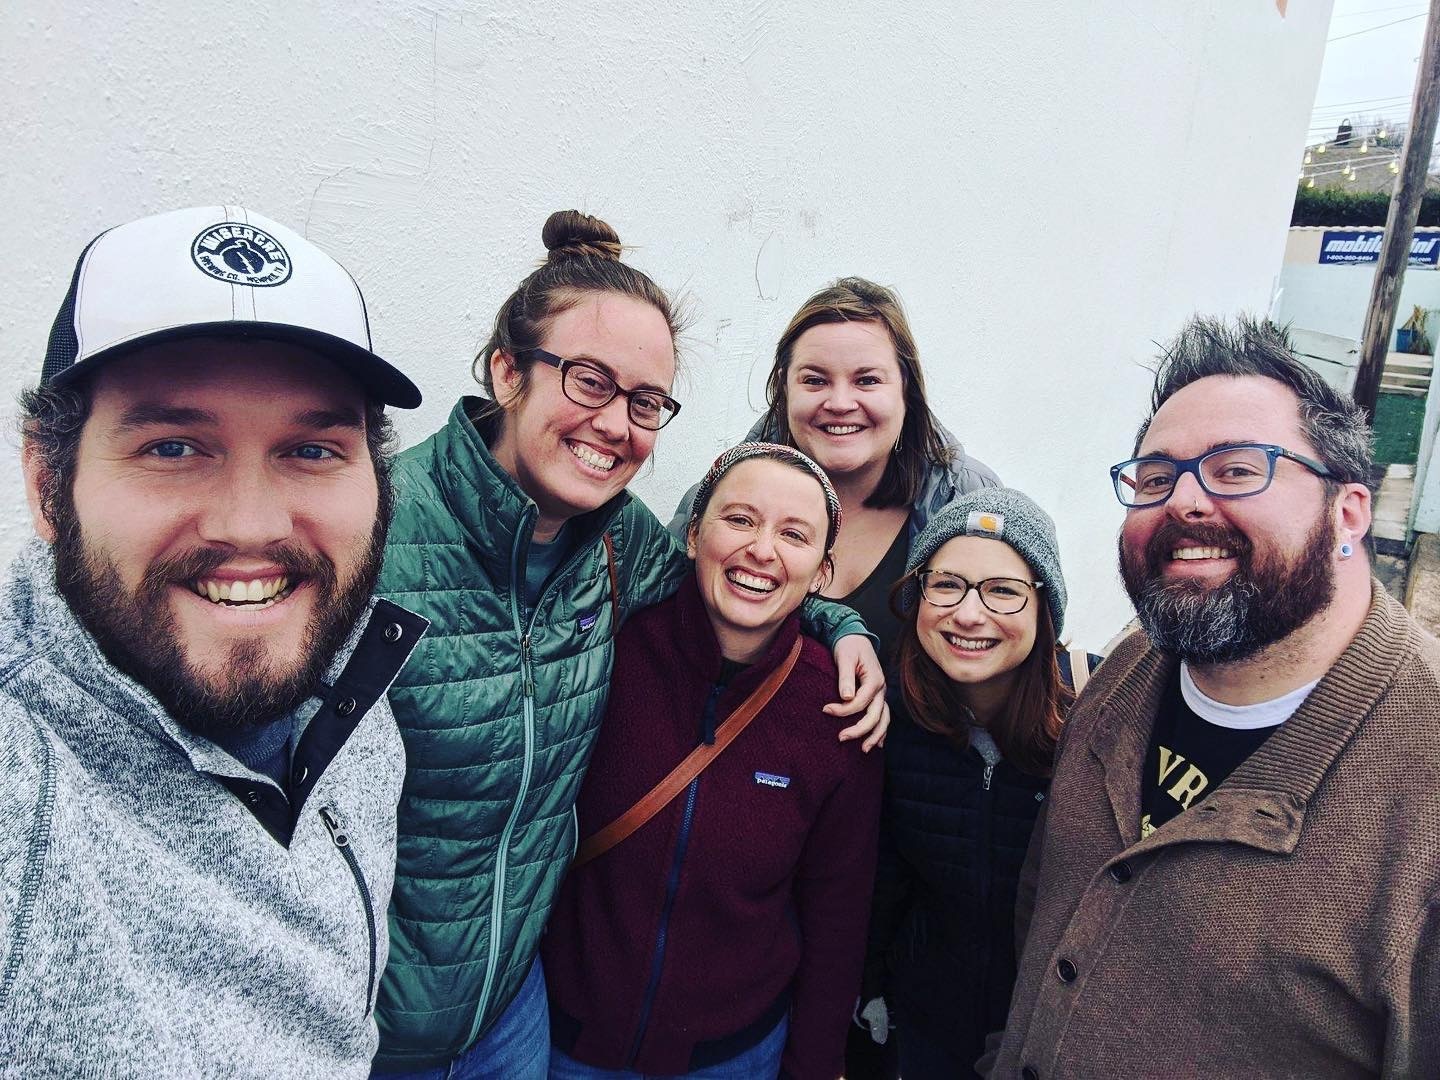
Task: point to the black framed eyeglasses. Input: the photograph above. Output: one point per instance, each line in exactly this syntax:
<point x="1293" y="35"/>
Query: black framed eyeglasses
<point x="585" y="384"/>
<point x="1232" y="472"/>
<point x="1002" y="595"/>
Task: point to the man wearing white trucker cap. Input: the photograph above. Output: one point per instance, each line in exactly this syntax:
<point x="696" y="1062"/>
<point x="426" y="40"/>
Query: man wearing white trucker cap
<point x="198" y="767"/>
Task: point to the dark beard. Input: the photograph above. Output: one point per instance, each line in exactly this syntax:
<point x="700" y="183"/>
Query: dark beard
<point x="137" y="633"/>
<point x="1263" y="601"/>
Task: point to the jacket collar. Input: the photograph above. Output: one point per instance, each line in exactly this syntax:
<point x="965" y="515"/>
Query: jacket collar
<point x="1264" y="801"/>
<point x="701" y="650"/>
<point x="35" y="620"/>
<point x="487" y="501"/>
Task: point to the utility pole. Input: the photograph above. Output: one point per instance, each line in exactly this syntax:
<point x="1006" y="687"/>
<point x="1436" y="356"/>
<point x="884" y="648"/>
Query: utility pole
<point x="1400" y="222"/>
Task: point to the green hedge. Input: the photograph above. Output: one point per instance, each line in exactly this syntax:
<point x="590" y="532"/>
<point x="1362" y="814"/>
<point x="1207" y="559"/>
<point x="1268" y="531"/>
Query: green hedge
<point x="1335" y="206"/>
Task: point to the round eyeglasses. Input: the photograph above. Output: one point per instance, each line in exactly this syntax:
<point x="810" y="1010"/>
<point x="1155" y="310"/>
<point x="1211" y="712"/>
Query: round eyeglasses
<point x="1231" y="472"/>
<point x="1001" y="595"/>
<point x="585" y="384"/>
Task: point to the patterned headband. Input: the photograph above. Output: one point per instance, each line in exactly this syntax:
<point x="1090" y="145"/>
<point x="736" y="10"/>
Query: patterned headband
<point x="774" y="451"/>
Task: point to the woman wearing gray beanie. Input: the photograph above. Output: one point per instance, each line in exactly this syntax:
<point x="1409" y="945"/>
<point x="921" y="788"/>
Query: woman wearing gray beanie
<point x="983" y="688"/>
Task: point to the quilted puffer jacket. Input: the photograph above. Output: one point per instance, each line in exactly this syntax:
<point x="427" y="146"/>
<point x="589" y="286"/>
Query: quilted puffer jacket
<point x="498" y="709"/>
<point x="954" y="831"/>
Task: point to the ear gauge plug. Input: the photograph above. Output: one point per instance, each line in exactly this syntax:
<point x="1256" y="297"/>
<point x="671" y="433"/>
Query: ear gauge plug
<point x="1346" y="551"/>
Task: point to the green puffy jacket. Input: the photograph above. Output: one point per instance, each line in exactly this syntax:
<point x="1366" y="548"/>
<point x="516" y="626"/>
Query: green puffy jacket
<point x="498" y="708"/>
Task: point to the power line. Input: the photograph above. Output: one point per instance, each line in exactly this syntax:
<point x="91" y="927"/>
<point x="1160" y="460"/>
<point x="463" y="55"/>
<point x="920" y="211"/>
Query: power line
<point x="1376" y="11"/>
<point x="1361" y="101"/>
<point x="1372" y="29"/>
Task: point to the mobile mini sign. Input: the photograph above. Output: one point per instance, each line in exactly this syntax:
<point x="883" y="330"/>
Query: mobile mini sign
<point x="1364" y="247"/>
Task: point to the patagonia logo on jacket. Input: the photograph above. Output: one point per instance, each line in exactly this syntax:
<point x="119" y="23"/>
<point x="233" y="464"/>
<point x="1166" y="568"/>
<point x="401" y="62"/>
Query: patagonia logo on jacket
<point x="587" y="621"/>
<point x="772" y="780"/>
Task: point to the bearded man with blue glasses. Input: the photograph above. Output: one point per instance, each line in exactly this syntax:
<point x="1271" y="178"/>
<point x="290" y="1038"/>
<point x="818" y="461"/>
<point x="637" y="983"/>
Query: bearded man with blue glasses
<point x="1240" y="870"/>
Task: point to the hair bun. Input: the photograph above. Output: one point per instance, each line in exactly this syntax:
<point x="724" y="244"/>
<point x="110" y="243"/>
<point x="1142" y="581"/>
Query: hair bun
<point x="569" y="233"/>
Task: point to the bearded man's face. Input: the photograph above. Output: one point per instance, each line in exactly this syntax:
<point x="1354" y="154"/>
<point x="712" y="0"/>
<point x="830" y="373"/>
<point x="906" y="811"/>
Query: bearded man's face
<point x="224" y="529"/>
<point x="1216" y="580"/>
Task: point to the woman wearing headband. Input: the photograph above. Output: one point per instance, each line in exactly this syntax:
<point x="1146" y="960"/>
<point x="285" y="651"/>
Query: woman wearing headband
<point x="514" y="535"/>
<point x="721" y="935"/>
<point x="847" y="389"/>
<point x="983" y="689"/>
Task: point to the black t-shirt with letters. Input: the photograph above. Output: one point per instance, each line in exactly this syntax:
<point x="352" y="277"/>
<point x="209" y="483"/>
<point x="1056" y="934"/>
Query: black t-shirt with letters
<point x="1188" y="757"/>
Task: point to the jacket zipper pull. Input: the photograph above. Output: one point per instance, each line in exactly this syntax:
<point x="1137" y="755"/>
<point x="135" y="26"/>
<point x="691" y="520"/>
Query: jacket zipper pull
<point x="525" y="663"/>
<point x="989" y="772"/>
<point x="332" y="824"/>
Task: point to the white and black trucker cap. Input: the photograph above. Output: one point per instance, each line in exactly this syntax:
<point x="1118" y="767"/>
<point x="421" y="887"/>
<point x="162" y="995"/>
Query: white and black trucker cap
<point x="214" y="271"/>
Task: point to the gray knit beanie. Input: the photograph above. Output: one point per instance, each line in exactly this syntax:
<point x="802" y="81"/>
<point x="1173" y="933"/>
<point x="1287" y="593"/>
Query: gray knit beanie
<point x="1000" y="514"/>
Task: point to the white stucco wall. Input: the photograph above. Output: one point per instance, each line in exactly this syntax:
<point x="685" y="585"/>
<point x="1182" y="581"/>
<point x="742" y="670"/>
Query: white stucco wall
<point x="1050" y="186"/>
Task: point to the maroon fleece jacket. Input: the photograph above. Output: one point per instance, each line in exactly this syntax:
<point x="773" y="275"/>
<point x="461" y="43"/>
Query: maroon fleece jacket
<point x="771" y="877"/>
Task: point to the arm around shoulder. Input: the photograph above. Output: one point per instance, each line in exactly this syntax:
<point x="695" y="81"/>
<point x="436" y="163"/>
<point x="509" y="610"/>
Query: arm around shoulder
<point x="650" y="561"/>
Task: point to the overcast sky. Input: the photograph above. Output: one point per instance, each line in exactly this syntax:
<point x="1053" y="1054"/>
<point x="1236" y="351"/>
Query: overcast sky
<point x="1377" y="62"/>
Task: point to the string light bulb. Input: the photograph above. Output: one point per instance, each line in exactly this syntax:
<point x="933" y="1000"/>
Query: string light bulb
<point x="1310" y="183"/>
<point x="1308" y="159"/>
<point x="1364" y="146"/>
<point x="1320" y="149"/>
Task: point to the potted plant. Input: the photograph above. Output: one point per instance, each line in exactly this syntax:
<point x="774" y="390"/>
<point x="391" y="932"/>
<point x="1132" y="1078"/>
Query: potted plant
<point x="1411" y="337"/>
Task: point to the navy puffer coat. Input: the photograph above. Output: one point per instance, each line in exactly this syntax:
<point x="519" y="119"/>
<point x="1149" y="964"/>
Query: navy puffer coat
<point x="954" y="831"/>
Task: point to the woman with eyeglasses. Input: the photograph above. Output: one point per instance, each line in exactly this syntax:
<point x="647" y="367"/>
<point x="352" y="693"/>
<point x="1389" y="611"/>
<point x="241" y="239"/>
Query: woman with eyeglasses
<point x="981" y="690"/>
<point x="722" y="936"/>
<point x="514" y="535"/>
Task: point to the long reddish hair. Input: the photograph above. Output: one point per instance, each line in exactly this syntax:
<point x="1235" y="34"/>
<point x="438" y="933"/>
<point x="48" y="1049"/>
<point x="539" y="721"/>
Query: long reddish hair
<point x="1028" y="726"/>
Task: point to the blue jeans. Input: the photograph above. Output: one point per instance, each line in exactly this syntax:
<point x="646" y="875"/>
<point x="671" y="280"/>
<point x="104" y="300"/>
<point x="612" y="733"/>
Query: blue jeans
<point x="760" y="1062"/>
<point x="517" y="1046"/>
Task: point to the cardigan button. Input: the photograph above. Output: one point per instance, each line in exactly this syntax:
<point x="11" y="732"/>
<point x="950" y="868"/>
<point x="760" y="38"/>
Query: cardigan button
<point x="1120" y="873"/>
<point x="1029" y="1072"/>
<point x="1067" y="970"/>
<point x="346" y="707"/>
<point x="393" y="632"/>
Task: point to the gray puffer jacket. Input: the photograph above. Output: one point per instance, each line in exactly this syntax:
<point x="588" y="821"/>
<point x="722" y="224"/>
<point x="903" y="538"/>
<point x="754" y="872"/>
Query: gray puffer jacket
<point x="165" y="911"/>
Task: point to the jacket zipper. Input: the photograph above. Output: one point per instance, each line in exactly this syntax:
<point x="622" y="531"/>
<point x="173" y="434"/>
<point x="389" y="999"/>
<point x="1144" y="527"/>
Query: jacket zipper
<point x="672" y="886"/>
<point x="502" y="854"/>
<point x="987" y="828"/>
<point x="341" y="839"/>
<point x="527" y="685"/>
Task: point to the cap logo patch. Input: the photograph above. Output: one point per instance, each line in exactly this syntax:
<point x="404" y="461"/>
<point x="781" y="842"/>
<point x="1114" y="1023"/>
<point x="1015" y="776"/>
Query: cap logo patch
<point x="980" y="523"/>
<point x="241" y="255"/>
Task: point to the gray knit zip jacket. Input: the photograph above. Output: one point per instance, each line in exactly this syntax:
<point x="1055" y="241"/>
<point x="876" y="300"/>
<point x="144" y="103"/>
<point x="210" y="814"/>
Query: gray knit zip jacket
<point x="164" y="911"/>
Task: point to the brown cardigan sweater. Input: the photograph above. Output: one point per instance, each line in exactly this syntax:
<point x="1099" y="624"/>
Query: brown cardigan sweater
<point x="1286" y="926"/>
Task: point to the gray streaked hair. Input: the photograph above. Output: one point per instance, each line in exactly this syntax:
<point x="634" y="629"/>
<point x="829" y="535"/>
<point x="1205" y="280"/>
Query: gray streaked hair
<point x="1333" y="424"/>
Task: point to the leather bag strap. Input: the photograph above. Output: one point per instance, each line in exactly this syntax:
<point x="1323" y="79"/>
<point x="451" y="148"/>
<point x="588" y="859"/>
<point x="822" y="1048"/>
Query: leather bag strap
<point x="658" y="797"/>
<point x="614" y="579"/>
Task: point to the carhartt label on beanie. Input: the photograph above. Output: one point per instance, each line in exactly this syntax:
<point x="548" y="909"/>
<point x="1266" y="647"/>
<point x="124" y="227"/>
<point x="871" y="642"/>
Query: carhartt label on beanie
<point x="980" y="523"/>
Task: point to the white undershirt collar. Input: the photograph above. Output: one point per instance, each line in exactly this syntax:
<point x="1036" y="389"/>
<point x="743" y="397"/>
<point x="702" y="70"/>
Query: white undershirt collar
<point x="1262" y="714"/>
